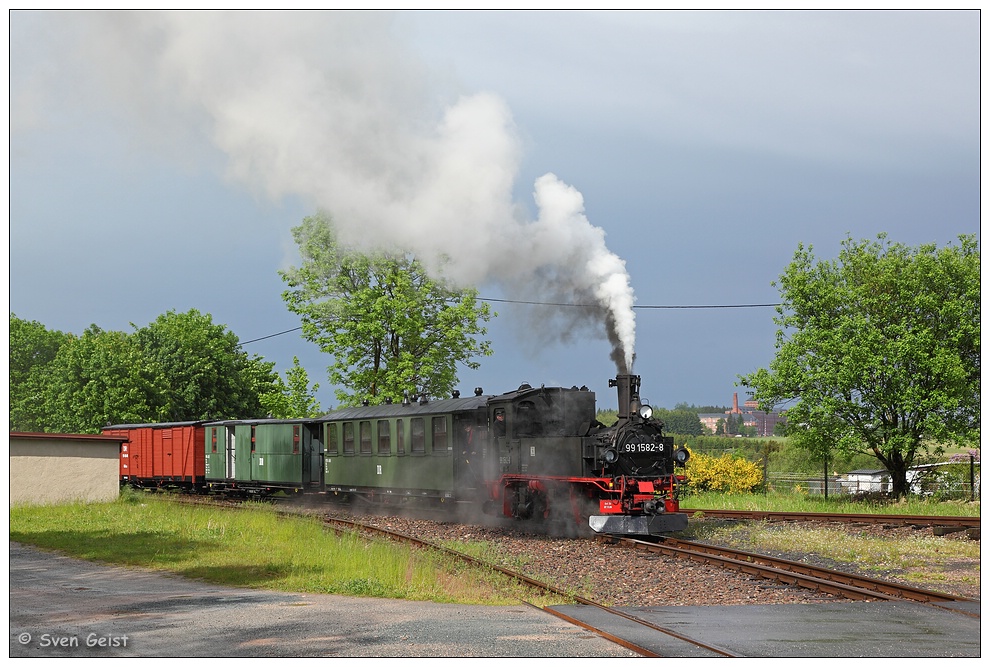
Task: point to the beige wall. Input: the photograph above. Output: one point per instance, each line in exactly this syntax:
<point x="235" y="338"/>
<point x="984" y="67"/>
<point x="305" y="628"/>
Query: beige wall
<point x="56" y="469"/>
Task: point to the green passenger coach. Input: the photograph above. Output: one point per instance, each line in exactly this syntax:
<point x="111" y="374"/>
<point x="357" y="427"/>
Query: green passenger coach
<point x="263" y="455"/>
<point x="430" y="449"/>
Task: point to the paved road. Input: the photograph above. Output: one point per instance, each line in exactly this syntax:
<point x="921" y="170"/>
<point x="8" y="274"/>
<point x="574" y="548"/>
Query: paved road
<point x="60" y="606"/>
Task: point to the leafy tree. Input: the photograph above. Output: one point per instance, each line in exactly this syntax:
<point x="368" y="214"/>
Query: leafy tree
<point x="390" y="327"/>
<point x="32" y="350"/>
<point x="293" y="399"/>
<point x="879" y="351"/>
<point x="201" y="371"/>
<point x="680" y="421"/>
<point x="97" y="378"/>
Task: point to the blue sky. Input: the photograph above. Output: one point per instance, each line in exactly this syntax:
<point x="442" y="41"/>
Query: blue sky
<point x="158" y="162"/>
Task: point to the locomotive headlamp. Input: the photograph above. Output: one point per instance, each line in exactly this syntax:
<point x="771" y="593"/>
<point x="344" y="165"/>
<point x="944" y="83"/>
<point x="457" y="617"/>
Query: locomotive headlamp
<point x="645" y="411"/>
<point x="681" y="456"/>
<point x="610" y="456"/>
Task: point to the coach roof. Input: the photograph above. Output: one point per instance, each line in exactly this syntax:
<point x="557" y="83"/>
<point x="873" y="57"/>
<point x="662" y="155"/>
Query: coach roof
<point x="390" y="410"/>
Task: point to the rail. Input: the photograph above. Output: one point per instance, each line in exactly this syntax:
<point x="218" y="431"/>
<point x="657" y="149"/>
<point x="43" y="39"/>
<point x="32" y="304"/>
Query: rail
<point x="842" y="584"/>
<point x="840" y="517"/>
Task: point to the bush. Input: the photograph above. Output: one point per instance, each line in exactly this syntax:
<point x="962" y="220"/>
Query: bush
<point x="725" y="474"/>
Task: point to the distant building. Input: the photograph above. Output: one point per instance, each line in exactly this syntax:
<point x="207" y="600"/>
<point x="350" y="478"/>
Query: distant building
<point x="866" y="481"/>
<point x="763" y="422"/>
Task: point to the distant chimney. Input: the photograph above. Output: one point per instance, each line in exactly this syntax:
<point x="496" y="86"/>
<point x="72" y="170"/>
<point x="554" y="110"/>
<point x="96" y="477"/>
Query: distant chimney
<point x="735" y="403"/>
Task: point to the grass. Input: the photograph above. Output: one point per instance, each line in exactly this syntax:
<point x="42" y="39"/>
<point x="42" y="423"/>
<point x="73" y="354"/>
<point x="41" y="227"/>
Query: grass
<point x="257" y="548"/>
<point x="798" y="502"/>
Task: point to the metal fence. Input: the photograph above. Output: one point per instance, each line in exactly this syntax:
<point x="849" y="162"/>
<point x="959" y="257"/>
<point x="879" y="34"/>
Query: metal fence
<point x="947" y="487"/>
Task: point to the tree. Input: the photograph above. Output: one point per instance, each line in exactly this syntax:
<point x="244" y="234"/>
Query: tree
<point x="201" y="371"/>
<point x="293" y="398"/>
<point x="390" y="328"/>
<point x="98" y="378"/>
<point x="32" y="350"/>
<point x="879" y="351"/>
<point x="680" y="421"/>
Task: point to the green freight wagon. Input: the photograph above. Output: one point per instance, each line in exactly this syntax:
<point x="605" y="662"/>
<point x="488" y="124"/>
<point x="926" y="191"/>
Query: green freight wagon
<point x="264" y="455"/>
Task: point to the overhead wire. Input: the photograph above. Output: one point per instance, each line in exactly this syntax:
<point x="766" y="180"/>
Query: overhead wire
<point x="571" y="305"/>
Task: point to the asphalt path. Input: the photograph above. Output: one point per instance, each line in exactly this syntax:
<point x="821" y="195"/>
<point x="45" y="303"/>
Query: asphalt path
<point x="64" y="607"/>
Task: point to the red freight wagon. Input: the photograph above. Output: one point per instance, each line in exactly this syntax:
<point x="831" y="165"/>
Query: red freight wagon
<point x="155" y="455"/>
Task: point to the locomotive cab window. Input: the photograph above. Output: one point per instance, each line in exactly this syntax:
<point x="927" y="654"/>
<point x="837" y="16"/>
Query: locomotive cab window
<point x="527" y="421"/>
<point x="499" y="422"/>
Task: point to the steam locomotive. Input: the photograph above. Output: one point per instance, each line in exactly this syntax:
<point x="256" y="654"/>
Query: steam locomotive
<point x="534" y="454"/>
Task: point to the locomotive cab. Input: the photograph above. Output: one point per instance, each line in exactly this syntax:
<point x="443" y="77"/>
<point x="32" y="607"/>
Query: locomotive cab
<point x="538" y="431"/>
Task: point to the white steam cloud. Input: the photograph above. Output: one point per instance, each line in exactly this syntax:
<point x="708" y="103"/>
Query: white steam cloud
<point x="331" y="107"/>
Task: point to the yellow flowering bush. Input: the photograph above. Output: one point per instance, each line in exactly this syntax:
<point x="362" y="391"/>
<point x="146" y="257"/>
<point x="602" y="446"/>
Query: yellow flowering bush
<point x="726" y="474"/>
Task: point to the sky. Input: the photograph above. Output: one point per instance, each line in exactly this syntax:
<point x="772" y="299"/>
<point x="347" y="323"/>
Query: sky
<point x="627" y="160"/>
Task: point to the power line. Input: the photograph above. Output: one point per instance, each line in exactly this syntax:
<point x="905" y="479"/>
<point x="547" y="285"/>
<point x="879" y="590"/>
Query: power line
<point x="586" y="305"/>
<point x="280" y="333"/>
<point x="572" y="305"/>
<point x="723" y="305"/>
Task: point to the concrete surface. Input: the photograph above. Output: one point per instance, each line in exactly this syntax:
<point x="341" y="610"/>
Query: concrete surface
<point x="65" y="607"/>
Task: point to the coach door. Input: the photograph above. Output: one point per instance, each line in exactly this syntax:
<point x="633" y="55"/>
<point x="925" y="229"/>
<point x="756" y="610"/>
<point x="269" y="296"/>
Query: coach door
<point x="231" y="446"/>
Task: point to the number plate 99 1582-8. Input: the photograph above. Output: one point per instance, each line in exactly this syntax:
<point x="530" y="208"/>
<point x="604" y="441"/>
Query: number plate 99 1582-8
<point x="642" y="448"/>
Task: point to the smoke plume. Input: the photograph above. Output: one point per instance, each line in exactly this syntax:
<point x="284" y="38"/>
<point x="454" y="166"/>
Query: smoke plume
<point x="333" y="108"/>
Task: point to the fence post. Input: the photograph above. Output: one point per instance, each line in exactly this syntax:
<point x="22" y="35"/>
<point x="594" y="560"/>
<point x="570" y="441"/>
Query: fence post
<point x="972" y="478"/>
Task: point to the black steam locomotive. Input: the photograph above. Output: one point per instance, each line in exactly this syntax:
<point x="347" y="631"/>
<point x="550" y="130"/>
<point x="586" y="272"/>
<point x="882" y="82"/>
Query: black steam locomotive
<point x="533" y="454"/>
<point x="555" y="458"/>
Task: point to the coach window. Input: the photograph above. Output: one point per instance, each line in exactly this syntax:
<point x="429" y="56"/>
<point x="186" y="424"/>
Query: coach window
<point x="348" y="438"/>
<point x="384" y="438"/>
<point x="366" y="438"/>
<point x="400" y="438"/>
<point x="441" y="445"/>
<point x="214" y="438"/>
<point x="332" y="439"/>
<point x="418" y="439"/>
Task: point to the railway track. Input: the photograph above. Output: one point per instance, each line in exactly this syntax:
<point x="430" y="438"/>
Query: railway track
<point x="839" y="517"/>
<point x="823" y="580"/>
<point x="596" y="617"/>
<point x="349" y="525"/>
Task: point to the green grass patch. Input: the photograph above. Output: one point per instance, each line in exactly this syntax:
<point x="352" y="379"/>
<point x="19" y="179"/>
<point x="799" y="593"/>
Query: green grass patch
<point x="798" y="502"/>
<point x="256" y="548"/>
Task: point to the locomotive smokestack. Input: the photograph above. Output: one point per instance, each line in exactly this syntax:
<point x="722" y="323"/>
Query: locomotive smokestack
<point x="627" y="387"/>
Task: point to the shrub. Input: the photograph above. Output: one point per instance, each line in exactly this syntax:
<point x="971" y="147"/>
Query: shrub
<point x="725" y="474"/>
